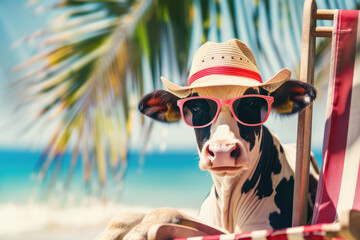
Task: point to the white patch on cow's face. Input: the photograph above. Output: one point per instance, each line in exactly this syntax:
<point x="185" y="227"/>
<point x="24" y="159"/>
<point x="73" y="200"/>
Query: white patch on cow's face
<point x="225" y="152"/>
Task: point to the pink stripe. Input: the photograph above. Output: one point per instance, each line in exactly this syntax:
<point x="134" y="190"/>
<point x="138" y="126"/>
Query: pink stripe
<point x="243" y="236"/>
<point x="339" y="122"/>
<point x="212" y="237"/>
<point x="277" y="235"/>
<point x="313" y="232"/>
<point x="230" y="71"/>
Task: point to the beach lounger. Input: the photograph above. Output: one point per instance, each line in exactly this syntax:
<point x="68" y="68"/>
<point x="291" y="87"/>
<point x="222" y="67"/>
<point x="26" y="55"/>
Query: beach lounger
<point x="337" y="206"/>
<point x="347" y="228"/>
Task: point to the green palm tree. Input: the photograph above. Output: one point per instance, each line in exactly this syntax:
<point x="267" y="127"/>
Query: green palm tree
<point x="90" y="66"/>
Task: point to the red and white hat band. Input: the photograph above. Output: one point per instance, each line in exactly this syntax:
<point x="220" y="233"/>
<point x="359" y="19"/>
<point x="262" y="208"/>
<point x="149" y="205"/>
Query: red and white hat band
<point x="230" y="71"/>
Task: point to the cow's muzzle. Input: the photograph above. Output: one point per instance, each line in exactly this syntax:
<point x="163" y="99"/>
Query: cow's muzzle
<point x="224" y="155"/>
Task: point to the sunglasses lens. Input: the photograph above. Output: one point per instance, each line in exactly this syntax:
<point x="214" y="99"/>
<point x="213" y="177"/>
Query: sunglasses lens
<point x="199" y="111"/>
<point x="251" y="110"/>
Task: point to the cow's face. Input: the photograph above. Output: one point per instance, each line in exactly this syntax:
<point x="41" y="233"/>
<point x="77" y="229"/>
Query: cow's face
<point x="226" y="146"/>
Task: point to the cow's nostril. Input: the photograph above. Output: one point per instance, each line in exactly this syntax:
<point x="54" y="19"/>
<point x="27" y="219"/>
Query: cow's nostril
<point x="236" y="152"/>
<point x="211" y="153"/>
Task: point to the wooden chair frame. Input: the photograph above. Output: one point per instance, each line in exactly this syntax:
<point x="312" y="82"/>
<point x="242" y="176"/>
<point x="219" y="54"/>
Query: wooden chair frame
<point x="309" y="34"/>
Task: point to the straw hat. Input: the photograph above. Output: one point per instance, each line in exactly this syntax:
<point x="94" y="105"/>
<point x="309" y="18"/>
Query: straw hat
<point x="227" y="63"/>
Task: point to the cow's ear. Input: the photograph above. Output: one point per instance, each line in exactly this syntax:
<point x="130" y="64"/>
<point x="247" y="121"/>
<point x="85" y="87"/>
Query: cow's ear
<point x="160" y="105"/>
<point x="293" y="96"/>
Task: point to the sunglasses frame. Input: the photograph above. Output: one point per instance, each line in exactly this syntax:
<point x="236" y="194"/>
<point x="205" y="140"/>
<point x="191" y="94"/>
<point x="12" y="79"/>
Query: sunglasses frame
<point x="229" y="102"/>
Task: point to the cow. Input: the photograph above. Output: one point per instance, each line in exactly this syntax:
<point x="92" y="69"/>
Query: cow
<point x="227" y="103"/>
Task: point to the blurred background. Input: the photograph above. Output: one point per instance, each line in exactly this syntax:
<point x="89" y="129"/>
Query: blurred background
<point x="74" y="150"/>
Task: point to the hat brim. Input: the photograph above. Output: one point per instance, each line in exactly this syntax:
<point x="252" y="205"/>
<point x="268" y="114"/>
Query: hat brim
<point x="221" y="80"/>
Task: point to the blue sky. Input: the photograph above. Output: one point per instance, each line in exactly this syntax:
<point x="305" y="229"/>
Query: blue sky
<point x="16" y="21"/>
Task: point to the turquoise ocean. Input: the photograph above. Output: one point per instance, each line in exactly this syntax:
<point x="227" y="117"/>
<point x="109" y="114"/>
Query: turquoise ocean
<point x="170" y="179"/>
<point x="27" y="208"/>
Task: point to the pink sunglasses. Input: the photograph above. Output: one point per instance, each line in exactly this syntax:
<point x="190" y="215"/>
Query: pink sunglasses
<point x="249" y="110"/>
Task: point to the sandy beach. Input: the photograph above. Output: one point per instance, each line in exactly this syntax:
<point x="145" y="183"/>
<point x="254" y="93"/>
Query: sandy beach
<point x="74" y="215"/>
<point x="40" y="222"/>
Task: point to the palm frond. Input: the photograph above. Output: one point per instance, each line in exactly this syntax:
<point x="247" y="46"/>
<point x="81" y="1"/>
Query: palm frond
<point x="80" y="74"/>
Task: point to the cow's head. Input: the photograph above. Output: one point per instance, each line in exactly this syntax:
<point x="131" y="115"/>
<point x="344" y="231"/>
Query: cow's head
<point x="227" y="146"/>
